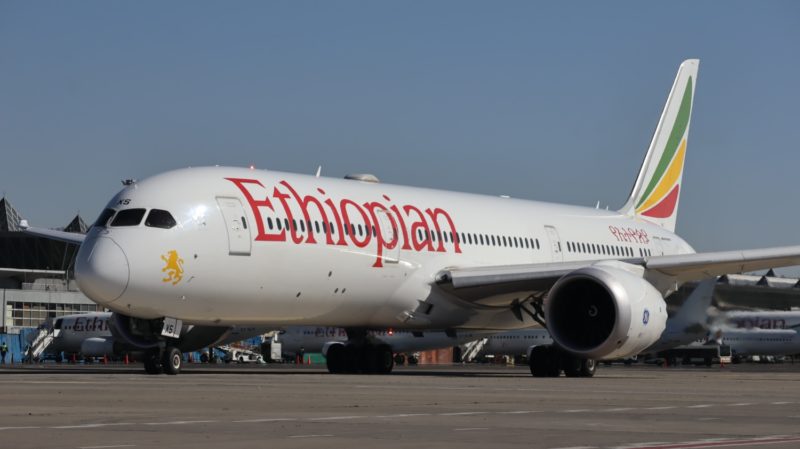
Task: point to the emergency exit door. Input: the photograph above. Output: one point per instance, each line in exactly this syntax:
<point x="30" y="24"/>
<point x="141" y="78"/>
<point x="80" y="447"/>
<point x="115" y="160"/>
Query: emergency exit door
<point x="236" y="224"/>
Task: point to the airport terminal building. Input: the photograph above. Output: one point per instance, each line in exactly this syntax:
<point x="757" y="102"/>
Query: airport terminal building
<point x="36" y="274"/>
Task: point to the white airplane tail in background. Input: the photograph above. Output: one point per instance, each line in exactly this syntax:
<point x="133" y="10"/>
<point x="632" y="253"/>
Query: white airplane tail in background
<point x="657" y="190"/>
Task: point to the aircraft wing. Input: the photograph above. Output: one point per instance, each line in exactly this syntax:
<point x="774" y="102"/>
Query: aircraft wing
<point x="505" y="285"/>
<point x="69" y="237"/>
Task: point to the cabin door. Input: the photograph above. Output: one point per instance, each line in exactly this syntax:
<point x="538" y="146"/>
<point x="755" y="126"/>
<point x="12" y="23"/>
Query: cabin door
<point x="555" y="243"/>
<point x="389" y="234"/>
<point x="236" y="225"/>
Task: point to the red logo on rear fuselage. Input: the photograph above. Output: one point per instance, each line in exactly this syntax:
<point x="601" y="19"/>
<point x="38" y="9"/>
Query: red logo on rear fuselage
<point x="432" y="230"/>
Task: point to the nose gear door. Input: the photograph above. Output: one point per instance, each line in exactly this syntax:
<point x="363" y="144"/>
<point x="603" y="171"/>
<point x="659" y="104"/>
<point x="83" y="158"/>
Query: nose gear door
<point x="236" y="225"/>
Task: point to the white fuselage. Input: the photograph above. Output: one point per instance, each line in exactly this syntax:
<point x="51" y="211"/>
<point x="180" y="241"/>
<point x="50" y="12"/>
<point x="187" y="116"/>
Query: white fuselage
<point x="228" y="261"/>
<point x="762" y="341"/>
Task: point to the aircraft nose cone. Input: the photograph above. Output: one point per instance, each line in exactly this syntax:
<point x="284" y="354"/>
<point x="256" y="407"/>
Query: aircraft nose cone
<point x="101" y="270"/>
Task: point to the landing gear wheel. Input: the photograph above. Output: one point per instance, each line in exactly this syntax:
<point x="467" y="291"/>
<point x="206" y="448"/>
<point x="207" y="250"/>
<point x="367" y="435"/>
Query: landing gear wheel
<point x="537" y="361"/>
<point x="588" y="368"/>
<point x="553" y="362"/>
<point x="173" y="359"/>
<point x="336" y="359"/>
<point x="382" y="360"/>
<point x="400" y="359"/>
<point x="545" y="361"/>
<point x="152" y="365"/>
<point x="571" y="365"/>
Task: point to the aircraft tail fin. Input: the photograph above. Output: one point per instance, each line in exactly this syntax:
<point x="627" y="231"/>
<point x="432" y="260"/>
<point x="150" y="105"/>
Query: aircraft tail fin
<point x="695" y="309"/>
<point x="656" y="192"/>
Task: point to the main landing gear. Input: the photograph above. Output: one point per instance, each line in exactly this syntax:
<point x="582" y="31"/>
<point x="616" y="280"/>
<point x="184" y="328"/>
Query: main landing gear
<point x="167" y="360"/>
<point x="359" y="356"/>
<point x="550" y="361"/>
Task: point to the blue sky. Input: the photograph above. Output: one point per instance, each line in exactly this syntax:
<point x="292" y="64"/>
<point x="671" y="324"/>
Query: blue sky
<point x="553" y="101"/>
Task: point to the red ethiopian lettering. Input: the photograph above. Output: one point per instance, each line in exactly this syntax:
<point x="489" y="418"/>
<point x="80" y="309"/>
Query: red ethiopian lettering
<point x="254" y="206"/>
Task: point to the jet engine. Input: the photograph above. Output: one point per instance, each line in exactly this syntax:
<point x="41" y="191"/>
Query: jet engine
<point x="605" y="311"/>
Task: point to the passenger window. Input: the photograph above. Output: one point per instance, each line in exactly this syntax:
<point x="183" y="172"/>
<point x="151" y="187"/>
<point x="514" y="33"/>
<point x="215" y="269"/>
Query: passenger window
<point x="128" y="217"/>
<point x="269" y="223"/>
<point x="286" y="223"/>
<point x="316" y="226"/>
<point x="102" y="220"/>
<point x="158" y="218"/>
<point x="278" y="224"/>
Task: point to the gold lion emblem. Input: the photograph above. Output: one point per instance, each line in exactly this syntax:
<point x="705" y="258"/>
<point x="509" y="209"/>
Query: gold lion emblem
<point x="173" y="267"/>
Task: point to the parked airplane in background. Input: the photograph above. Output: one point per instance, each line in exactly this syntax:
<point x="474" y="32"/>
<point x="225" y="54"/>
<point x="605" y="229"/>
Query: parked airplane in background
<point x="219" y="246"/>
<point x="322" y="339"/>
<point x="763" y="319"/>
<point x="760" y="342"/>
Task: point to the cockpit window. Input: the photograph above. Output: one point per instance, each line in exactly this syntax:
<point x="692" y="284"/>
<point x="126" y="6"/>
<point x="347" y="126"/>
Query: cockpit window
<point x="158" y="218"/>
<point x="102" y="220"/>
<point x="128" y="217"/>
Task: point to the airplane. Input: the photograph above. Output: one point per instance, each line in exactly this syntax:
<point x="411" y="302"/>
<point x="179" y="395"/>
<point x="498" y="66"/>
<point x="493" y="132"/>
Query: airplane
<point x="224" y="245"/>
<point x="760" y="342"/>
<point x="400" y="341"/>
<point x="97" y="334"/>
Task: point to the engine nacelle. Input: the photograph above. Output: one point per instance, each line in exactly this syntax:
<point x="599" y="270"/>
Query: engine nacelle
<point x="605" y="311"/>
<point x="97" y="347"/>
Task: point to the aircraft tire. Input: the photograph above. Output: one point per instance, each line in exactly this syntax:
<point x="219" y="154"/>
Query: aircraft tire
<point x="151" y="363"/>
<point x="537" y="361"/>
<point x="335" y="359"/>
<point x="571" y="365"/>
<point x="173" y="360"/>
<point x="553" y="361"/>
<point x="400" y="359"/>
<point x="588" y="368"/>
<point x="382" y="359"/>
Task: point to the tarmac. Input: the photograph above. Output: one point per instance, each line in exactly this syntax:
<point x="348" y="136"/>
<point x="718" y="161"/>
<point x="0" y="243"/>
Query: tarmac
<point x="471" y="406"/>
